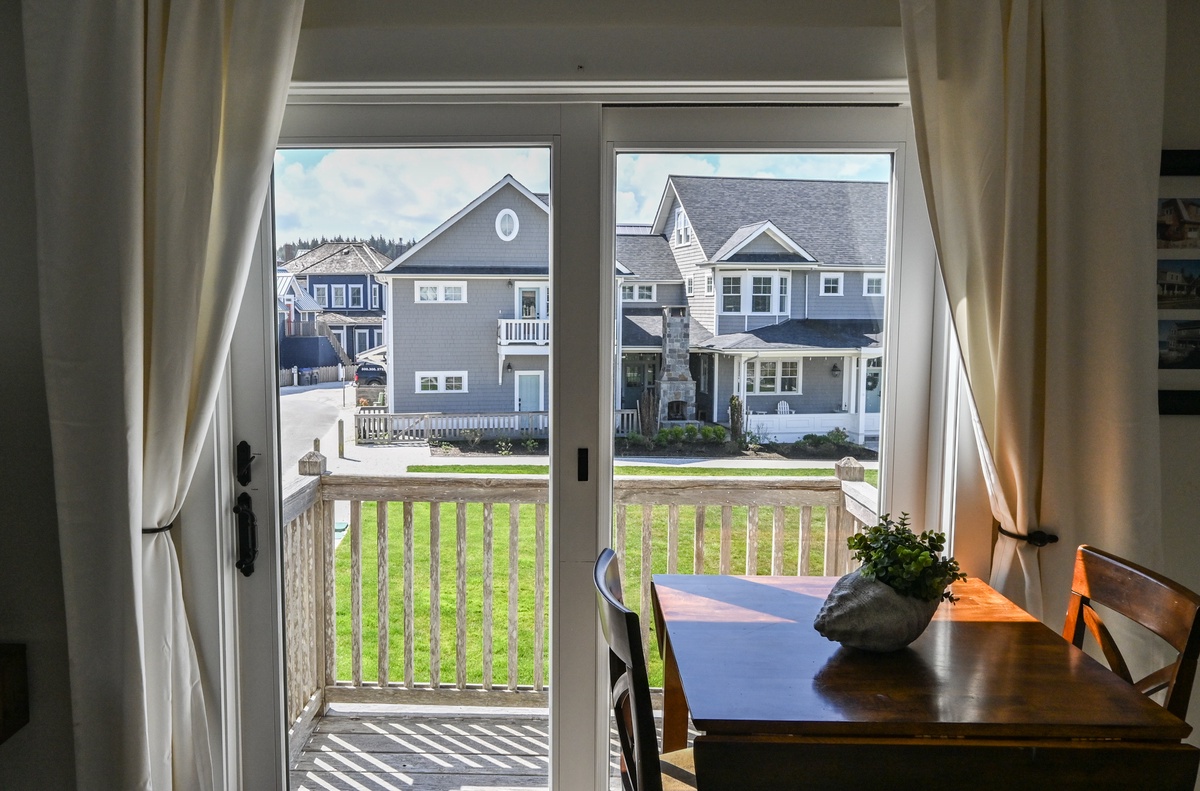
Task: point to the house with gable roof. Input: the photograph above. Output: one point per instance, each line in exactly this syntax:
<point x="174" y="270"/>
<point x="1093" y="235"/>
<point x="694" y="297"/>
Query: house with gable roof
<point x="468" y="310"/>
<point x="340" y="279"/>
<point x="778" y="298"/>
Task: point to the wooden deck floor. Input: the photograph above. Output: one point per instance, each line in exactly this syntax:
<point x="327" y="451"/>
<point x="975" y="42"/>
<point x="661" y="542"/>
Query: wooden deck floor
<point x="435" y="749"/>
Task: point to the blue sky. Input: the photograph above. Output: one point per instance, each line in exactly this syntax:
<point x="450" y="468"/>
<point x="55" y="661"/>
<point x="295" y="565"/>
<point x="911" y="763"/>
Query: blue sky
<point x="406" y="193"/>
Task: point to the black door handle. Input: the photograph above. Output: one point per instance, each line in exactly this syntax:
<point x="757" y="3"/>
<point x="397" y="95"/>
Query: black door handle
<point x="247" y="526"/>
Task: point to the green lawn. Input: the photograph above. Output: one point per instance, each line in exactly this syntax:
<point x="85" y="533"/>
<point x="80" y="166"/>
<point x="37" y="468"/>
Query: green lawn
<point x="447" y="545"/>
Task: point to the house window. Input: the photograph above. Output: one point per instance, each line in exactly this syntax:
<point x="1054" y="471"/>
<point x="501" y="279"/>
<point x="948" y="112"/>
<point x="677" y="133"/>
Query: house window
<point x="702" y="385"/>
<point x="689" y="287"/>
<point x="362" y="340"/>
<point x="441" y="381"/>
<point x="507" y="225"/>
<point x="375" y="297"/>
<point x="872" y="285"/>
<point x="683" y="228"/>
<point x="637" y="293"/>
<point x="831" y="284"/>
<point x="731" y="294"/>
<point x="356" y="297"/>
<point x="339" y="295"/>
<point x="760" y="294"/>
<point x="708" y="285"/>
<point x="440" y="291"/>
<point x="321" y="295"/>
<point x="789" y="376"/>
<point x="783" y="295"/>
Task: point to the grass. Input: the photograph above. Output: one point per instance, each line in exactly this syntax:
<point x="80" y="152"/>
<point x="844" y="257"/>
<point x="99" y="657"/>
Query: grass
<point x="447" y="545"/>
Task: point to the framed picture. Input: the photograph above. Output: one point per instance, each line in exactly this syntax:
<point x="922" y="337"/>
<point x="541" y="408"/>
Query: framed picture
<point x="1178" y="278"/>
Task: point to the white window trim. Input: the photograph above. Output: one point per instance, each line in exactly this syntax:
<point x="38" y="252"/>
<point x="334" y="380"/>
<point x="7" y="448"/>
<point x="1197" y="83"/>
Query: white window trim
<point x="362" y="333"/>
<point x="689" y="286"/>
<point x="682" y="236"/>
<point x="868" y="277"/>
<point x="541" y="377"/>
<point x="516" y="225"/>
<point x="543" y="296"/>
<point x="834" y="277"/>
<point x="320" y="294"/>
<point x="356" y="289"/>
<point x="746" y="278"/>
<point x="708" y="285"/>
<point x="440" y="285"/>
<point x="334" y="289"/>
<point x="374" y="296"/>
<point x="755" y="365"/>
<point x="440" y="376"/>
<point x="636" y="288"/>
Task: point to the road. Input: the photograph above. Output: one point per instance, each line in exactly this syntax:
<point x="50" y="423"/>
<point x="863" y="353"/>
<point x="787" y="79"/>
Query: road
<point x="308" y="413"/>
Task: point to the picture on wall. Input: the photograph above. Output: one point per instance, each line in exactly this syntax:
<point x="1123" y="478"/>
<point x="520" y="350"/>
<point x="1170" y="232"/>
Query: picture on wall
<point x="1178" y="223"/>
<point x="1179" y="344"/>
<point x="1177" y="270"/>
<point x="1179" y="284"/>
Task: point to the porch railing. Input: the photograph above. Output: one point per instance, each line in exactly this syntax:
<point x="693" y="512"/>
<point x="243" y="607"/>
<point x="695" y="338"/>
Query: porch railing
<point x="535" y="331"/>
<point x="375" y="427"/>
<point x="486" y="540"/>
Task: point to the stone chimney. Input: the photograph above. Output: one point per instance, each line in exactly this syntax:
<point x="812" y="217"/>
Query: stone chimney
<point x="676" y="389"/>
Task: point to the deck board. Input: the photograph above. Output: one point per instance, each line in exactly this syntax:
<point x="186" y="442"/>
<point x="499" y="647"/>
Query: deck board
<point x="466" y="750"/>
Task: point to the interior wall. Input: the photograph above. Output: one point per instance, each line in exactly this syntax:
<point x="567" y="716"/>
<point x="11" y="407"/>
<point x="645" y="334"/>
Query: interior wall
<point x="41" y="754"/>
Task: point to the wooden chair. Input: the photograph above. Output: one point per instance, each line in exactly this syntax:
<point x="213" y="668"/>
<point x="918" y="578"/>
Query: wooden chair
<point x="783" y="408"/>
<point x="1161" y="605"/>
<point x="642" y="767"/>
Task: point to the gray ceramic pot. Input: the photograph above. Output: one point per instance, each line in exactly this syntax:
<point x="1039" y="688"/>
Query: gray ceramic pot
<point x="867" y="614"/>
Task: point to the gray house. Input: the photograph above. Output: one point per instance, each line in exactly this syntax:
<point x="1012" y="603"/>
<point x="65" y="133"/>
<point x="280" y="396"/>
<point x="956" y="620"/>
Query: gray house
<point x="468" y="310"/>
<point x="775" y="287"/>
<point x="770" y="289"/>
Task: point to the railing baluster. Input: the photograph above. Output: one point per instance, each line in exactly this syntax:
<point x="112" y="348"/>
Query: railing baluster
<point x="752" y="540"/>
<point x="488" y="571"/>
<point x="514" y="534"/>
<point x="644" y="578"/>
<point x="409" y="648"/>
<point x="777" y="539"/>
<point x="435" y="595"/>
<point x="832" y="523"/>
<point x="356" y="592"/>
<point x="672" y="538"/>
<point x="329" y="583"/>
<point x="460" y="632"/>
<point x="620" y="541"/>
<point x="381" y="588"/>
<point x="698" y="546"/>
<point x="802" y="567"/>
<point x="726" y="538"/>
<point x="539" y="600"/>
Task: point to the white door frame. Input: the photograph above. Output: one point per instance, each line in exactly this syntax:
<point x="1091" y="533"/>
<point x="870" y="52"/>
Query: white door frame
<point x="541" y="380"/>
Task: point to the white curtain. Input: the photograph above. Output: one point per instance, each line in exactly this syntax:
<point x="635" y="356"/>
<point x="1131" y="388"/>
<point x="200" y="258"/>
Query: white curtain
<point x="1038" y="131"/>
<point x="154" y="127"/>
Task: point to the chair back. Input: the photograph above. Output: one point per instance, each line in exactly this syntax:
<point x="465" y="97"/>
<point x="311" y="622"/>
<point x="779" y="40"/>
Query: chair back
<point x="783" y="408"/>
<point x="628" y="683"/>
<point x="1159" y="604"/>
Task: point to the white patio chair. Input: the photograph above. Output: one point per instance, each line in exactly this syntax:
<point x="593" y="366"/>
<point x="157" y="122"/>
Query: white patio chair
<point x="782" y="408"/>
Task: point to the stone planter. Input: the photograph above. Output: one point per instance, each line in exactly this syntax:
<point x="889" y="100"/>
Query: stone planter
<point x="867" y="614"/>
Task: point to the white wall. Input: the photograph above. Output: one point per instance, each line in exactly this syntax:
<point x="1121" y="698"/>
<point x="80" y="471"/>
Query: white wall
<point x="40" y="755"/>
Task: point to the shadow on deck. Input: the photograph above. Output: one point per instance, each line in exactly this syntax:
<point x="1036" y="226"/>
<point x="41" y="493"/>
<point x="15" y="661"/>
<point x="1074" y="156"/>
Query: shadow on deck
<point x="428" y="748"/>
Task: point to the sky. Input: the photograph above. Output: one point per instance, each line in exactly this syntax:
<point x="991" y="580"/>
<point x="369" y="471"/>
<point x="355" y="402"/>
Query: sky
<point x="406" y="193"/>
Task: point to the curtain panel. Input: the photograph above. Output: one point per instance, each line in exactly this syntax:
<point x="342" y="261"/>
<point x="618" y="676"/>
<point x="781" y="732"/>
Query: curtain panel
<point x="154" y="127"/>
<point x="1039" y="124"/>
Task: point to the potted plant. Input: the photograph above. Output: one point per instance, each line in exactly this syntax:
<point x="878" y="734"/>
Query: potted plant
<point x="886" y="603"/>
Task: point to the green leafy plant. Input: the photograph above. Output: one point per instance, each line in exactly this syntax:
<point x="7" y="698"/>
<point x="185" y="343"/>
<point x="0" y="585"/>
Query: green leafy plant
<point x="531" y="445"/>
<point x="675" y="433"/>
<point x="907" y="563"/>
<point x="691" y="432"/>
<point x="504" y="447"/>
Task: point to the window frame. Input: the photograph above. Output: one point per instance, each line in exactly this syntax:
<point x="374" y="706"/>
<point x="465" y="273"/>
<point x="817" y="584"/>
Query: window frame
<point x="689" y="287"/>
<point x="352" y="289"/>
<point x="320" y="294"/>
<point x="708" y="285"/>
<point x="440" y="378"/>
<point x="831" y="277"/>
<point x="682" y="236"/>
<point x="334" y="290"/>
<point x="375" y="288"/>
<point x="870" y="276"/>
<point x="440" y="292"/>
<point x="636" y="290"/>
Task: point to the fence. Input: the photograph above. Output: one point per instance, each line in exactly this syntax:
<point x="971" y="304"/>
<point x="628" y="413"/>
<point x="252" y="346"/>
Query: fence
<point x="312" y="376"/>
<point x="375" y="427"/>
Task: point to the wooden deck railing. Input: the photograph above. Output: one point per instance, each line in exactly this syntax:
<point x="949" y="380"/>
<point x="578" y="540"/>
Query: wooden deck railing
<point x="344" y="622"/>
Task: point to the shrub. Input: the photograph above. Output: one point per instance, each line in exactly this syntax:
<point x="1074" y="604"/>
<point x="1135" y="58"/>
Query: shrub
<point x="838" y="436"/>
<point x="474" y="437"/>
<point x="531" y="445"/>
<point x="691" y="433"/>
<point x="676" y="434"/>
<point x="504" y="447"/>
<point x="663" y="438"/>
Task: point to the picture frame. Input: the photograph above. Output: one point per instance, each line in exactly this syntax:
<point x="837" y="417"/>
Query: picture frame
<point x="1177" y="268"/>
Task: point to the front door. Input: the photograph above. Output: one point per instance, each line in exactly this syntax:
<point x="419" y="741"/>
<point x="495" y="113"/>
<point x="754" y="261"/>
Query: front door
<point x="530" y="303"/>
<point x="638" y="377"/>
<point x="529" y="392"/>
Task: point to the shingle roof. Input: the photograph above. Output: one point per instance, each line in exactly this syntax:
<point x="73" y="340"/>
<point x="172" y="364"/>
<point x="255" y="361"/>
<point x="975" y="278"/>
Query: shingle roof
<point x="371" y="318"/>
<point x="842" y="223"/>
<point x="642" y="327"/>
<point x="647" y="257"/>
<point x="338" y="258"/>
<point x="408" y="270"/>
<point x="804" y="334"/>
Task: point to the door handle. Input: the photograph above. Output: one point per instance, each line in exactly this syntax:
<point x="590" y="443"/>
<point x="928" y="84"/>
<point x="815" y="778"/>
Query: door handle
<point x="247" y="527"/>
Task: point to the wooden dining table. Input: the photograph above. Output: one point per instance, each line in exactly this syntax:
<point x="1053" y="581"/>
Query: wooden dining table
<point x="987" y="697"/>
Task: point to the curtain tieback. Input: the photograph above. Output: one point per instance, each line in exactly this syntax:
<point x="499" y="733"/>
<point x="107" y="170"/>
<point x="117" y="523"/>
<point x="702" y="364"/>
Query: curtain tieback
<point x="1038" y="538"/>
<point x="151" y="530"/>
